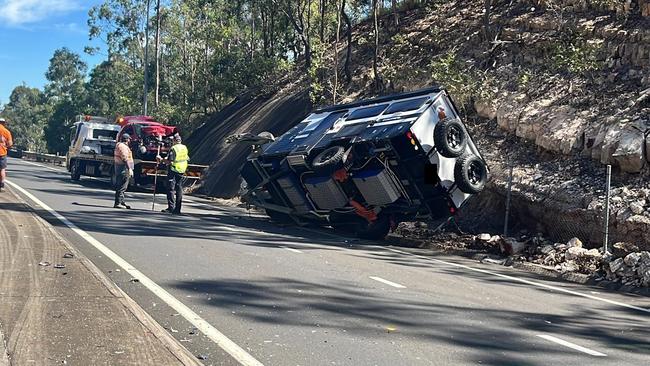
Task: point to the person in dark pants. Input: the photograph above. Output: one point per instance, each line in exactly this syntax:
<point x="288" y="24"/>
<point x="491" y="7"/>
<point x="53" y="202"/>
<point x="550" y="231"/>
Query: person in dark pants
<point x="177" y="161"/>
<point x="123" y="170"/>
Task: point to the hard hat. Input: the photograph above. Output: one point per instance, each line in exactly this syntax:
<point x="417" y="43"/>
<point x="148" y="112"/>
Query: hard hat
<point x="2" y="120"/>
<point x="125" y="137"/>
<point x="177" y="138"/>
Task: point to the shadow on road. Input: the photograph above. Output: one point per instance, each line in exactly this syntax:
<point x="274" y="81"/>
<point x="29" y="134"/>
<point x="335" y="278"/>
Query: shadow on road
<point x="493" y="335"/>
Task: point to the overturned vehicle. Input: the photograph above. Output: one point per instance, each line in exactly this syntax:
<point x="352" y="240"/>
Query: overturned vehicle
<point x="364" y="167"/>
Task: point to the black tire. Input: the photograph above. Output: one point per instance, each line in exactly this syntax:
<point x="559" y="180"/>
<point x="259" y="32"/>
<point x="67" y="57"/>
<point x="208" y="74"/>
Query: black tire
<point x="279" y="217"/>
<point x="471" y="174"/>
<point x="329" y="160"/>
<point x="75" y="170"/>
<point x="450" y="138"/>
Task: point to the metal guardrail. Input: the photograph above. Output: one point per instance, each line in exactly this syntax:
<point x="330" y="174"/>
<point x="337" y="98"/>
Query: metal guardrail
<point x="47" y="158"/>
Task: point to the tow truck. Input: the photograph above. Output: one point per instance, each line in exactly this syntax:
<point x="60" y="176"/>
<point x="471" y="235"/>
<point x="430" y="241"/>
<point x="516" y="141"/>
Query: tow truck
<point x="92" y="144"/>
<point x="364" y="167"/>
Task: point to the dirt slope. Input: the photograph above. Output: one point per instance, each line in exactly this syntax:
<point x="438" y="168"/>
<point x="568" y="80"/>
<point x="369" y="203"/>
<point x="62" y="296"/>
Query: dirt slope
<point x="275" y="113"/>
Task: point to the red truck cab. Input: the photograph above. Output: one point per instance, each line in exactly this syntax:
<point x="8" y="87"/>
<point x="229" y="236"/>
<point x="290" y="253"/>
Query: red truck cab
<point x="147" y="135"/>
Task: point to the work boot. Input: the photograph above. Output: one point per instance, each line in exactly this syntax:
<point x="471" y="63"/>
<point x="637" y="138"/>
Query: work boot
<point x="122" y="205"/>
<point x="167" y="210"/>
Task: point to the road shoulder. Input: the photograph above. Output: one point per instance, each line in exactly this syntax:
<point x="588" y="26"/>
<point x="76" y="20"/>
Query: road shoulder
<point x="71" y="315"/>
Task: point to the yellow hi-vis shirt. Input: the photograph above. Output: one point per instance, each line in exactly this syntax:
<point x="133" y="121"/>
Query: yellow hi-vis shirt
<point x="181" y="158"/>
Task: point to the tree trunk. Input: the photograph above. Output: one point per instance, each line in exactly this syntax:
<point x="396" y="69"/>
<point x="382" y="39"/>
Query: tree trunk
<point x="375" y="68"/>
<point x="487" y="32"/>
<point x="157" y="53"/>
<point x="395" y="16"/>
<point x="323" y="10"/>
<point x="336" y="52"/>
<point x="348" y="53"/>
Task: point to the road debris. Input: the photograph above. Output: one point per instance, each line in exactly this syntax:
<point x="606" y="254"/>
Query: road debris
<point x="202" y="357"/>
<point x="43" y="264"/>
<point x="68" y="255"/>
<point x="59" y="266"/>
<point x="134" y="280"/>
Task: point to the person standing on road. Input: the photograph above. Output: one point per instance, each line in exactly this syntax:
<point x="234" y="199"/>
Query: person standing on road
<point x="6" y="141"/>
<point x="123" y="170"/>
<point x="177" y="161"/>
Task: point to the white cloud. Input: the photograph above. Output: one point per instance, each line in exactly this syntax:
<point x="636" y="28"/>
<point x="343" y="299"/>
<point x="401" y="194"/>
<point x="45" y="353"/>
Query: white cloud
<point x="19" y="12"/>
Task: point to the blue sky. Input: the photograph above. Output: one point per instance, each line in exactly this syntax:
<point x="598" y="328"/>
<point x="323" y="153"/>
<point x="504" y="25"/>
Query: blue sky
<point x="30" y="31"/>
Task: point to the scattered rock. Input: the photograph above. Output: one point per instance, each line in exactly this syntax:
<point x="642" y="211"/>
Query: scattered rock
<point x="621" y="249"/>
<point x="616" y="265"/>
<point x="512" y="246"/>
<point x="574" y="253"/>
<point x="574" y="242"/>
<point x="546" y="249"/>
<point x="632" y="259"/>
<point x="484" y="237"/>
<point x="636" y="208"/>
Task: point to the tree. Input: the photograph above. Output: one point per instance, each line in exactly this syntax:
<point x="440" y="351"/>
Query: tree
<point x="27" y="112"/>
<point x="66" y="95"/>
<point x="66" y="75"/>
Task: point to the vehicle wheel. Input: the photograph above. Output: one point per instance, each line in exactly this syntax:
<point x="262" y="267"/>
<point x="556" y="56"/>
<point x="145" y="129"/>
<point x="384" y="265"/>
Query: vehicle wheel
<point x="279" y="217"/>
<point x="471" y="174"/>
<point x="376" y="230"/>
<point x="450" y="138"/>
<point x="75" y="170"/>
<point x="329" y="160"/>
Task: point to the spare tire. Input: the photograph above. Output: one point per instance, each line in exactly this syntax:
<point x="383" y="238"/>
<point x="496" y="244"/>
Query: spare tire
<point x="450" y="138"/>
<point x="471" y="174"/>
<point x="329" y="160"/>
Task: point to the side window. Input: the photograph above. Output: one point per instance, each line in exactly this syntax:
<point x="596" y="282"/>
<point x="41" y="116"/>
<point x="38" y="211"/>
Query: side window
<point x="127" y="129"/>
<point x="74" y="133"/>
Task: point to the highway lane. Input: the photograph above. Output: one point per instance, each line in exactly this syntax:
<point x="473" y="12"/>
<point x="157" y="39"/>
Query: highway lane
<point x="292" y="296"/>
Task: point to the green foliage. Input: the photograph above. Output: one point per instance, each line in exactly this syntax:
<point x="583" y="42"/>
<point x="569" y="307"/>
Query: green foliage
<point x="460" y="78"/>
<point x="27" y="112"/>
<point x="574" y="55"/>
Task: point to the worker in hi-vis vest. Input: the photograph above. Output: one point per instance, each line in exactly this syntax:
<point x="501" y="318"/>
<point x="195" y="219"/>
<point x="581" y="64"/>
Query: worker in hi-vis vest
<point x="177" y="161"/>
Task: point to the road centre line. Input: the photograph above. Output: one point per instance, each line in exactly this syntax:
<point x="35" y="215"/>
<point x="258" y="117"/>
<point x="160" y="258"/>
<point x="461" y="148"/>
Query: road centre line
<point x="230" y="347"/>
<point x="292" y="250"/>
<point x="387" y="282"/>
<point x="571" y="345"/>
<point x="516" y="279"/>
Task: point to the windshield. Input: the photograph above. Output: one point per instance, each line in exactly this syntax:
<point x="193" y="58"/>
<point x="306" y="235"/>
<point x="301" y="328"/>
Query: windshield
<point x="104" y="134"/>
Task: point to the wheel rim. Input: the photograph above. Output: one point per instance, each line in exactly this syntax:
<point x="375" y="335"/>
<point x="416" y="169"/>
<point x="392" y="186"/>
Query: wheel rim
<point x="454" y="137"/>
<point x="475" y="173"/>
<point x="327" y="155"/>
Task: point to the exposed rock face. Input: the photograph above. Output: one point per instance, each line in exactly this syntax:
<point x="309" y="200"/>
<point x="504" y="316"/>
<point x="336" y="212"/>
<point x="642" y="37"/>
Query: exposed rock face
<point x="629" y="154"/>
<point x="485" y="109"/>
<point x="564" y="129"/>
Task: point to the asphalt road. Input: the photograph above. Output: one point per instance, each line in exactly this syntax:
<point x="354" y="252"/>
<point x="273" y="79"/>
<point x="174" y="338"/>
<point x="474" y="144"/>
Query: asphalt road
<point x="300" y="296"/>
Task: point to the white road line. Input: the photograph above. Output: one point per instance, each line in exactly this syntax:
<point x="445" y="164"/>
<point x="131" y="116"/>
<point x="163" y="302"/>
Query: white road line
<point x="292" y="250"/>
<point x="387" y="282"/>
<point x="571" y="345"/>
<point x="238" y="353"/>
<point x="521" y="280"/>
